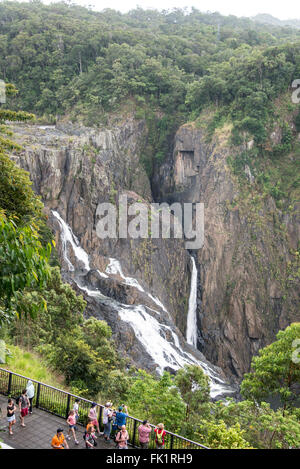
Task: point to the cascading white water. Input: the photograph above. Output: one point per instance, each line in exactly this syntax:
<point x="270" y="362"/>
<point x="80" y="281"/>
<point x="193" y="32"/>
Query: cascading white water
<point x="153" y="335"/>
<point x="67" y="236"/>
<point x="115" y="268"/>
<point x="191" y="328"/>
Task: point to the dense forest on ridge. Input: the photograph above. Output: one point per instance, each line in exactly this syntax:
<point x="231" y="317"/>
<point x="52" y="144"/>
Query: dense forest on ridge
<point x="65" y="62"/>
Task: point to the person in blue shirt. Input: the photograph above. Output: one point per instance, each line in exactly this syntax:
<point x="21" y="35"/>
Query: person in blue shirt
<point x="121" y="416"/>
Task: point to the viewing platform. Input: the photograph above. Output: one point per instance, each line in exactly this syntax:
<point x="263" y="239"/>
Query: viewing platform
<point x="51" y="407"/>
<point x="39" y="431"/>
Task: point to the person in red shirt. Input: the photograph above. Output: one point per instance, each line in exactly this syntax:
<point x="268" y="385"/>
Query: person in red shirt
<point x="160" y="436"/>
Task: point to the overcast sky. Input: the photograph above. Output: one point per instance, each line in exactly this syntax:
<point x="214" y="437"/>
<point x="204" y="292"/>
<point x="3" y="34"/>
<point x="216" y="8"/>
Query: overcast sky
<point x="281" y="9"/>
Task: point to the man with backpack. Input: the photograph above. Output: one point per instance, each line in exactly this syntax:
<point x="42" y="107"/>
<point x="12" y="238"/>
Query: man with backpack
<point x="24" y="404"/>
<point x="122" y="438"/>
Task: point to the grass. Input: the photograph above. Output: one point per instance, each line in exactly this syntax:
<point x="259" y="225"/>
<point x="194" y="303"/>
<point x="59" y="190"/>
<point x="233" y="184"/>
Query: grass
<point x="31" y="365"/>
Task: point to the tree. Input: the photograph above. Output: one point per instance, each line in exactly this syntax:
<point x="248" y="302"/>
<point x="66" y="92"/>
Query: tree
<point x="219" y="436"/>
<point x="274" y="373"/>
<point x="194" y="387"/>
<point x="263" y="427"/>
<point x="23" y="259"/>
<point x="24" y="263"/>
<point x="157" y="400"/>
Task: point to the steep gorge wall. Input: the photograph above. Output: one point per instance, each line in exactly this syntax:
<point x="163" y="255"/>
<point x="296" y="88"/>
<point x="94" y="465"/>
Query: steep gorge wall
<point x="75" y="169"/>
<point x="248" y="283"/>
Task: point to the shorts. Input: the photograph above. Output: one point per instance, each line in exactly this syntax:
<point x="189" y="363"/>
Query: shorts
<point x="11" y="419"/>
<point x="94" y="422"/>
<point x="144" y="445"/>
<point x="24" y="412"/>
<point x="72" y="426"/>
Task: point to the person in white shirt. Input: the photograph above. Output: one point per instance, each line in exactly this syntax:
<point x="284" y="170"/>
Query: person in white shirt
<point x="107" y="419"/>
<point x="30" y="394"/>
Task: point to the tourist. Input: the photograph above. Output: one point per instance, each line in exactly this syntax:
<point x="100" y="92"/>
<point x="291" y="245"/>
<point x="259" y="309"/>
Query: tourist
<point x="71" y="421"/>
<point x="58" y="441"/>
<point x="122" y="438"/>
<point x="107" y="419"/>
<point x="90" y="438"/>
<point x="11" y="418"/>
<point x="93" y="417"/>
<point x="160" y="436"/>
<point x="76" y="409"/>
<point x="121" y="416"/>
<point x="23" y="407"/>
<point x="114" y="426"/>
<point x="30" y="394"/>
<point x="144" y="434"/>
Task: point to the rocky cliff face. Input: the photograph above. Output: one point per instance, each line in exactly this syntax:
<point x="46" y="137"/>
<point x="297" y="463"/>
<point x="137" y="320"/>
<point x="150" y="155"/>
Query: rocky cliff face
<point x="140" y="287"/>
<point x="248" y="287"/>
<point x="76" y="169"/>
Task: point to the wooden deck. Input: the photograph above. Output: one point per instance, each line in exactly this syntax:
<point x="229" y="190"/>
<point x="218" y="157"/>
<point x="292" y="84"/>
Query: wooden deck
<point x="39" y="431"/>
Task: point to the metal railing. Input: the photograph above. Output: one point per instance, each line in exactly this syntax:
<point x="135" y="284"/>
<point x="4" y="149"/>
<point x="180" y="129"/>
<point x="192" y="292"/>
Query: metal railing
<point x="59" y="403"/>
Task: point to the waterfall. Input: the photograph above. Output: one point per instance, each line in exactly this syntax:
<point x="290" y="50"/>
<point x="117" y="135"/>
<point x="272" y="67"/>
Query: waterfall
<point x="115" y="268"/>
<point x="158" y="339"/>
<point x="67" y="236"/>
<point x="191" y="329"/>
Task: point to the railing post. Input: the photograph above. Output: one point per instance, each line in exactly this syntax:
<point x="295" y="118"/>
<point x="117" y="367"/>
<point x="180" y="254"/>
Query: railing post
<point x="134" y="432"/>
<point x="172" y="441"/>
<point x="100" y="417"/>
<point x="37" y="401"/>
<point x="9" y="384"/>
<point x="68" y="406"/>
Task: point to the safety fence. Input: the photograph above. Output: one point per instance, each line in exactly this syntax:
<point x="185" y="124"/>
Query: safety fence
<point x="59" y="403"/>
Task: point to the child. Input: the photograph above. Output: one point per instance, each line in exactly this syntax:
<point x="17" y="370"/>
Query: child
<point x="71" y="420"/>
<point x="11" y="418"/>
<point x="90" y="438"/>
<point x="114" y="425"/>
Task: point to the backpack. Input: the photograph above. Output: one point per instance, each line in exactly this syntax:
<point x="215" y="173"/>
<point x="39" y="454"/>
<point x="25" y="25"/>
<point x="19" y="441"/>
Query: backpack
<point x="115" y="438"/>
<point x="84" y="436"/>
<point x="18" y="399"/>
<point x="159" y="437"/>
